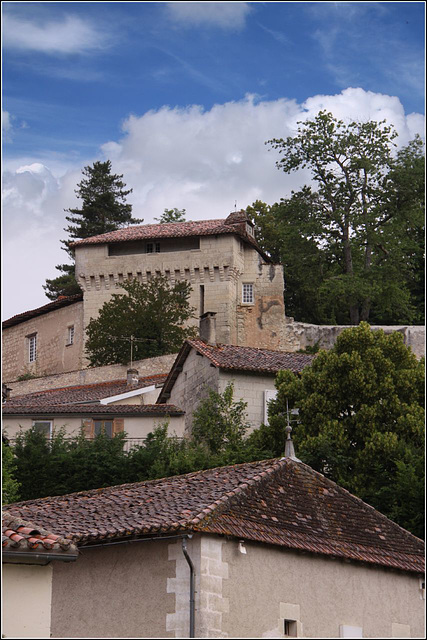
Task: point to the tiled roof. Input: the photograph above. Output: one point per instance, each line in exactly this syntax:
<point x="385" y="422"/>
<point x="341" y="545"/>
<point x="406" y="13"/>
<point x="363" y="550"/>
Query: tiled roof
<point x="23" y="537"/>
<point x="232" y="357"/>
<point x="280" y="502"/>
<point x="235" y="223"/>
<point x="92" y="409"/>
<point x="228" y="356"/>
<point x="62" y="301"/>
<point x="84" y="392"/>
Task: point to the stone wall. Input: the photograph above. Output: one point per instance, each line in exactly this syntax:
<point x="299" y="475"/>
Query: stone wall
<point x="250" y="388"/>
<point x="300" y="335"/>
<point x="54" y="355"/>
<point x="148" y="367"/>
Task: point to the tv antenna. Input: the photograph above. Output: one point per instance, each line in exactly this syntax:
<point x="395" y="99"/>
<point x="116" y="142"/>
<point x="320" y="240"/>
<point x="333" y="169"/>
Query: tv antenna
<point x="131" y="339"/>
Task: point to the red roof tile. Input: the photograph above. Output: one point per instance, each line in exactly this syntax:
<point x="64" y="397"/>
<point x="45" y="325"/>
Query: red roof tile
<point x="19" y="536"/>
<point x="280" y="502"/>
<point x="91" y="409"/>
<point x="235" y="223"/>
<point x="62" y="301"/>
<point x="232" y="357"/>
<point x="83" y="392"/>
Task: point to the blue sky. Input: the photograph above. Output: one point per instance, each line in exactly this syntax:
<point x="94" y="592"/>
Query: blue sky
<point x="181" y="96"/>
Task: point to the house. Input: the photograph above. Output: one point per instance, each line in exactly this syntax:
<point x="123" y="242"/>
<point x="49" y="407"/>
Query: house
<point x="262" y="549"/>
<point x="46" y="340"/>
<point x="112" y="407"/>
<point x="204" y="365"/>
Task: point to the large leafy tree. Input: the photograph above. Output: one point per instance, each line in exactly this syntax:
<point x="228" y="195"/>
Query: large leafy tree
<point x="350" y="223"/>
<point x="361" y="420"/>
<point x="149" y="317"/>
<point x="172" y="215"/>
<point x="103" y="209"/>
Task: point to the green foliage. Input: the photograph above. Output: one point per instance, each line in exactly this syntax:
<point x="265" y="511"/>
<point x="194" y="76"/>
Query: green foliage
<point x="172" y="215"/>
<point x="26" y="376"/>
<point x="153" y="313"/>
<point x="218" y="422"/>
<point x="352" y="249"/>
<point x="104" y="209"/>
<point x="361" y="420"/>
<point x="10" y="486"/>
<point x="64" y="285"/>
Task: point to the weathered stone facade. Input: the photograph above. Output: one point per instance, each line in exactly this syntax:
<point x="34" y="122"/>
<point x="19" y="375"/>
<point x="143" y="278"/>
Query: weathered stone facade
<point x="55" y="353"/>
<point x="217" y="271"/>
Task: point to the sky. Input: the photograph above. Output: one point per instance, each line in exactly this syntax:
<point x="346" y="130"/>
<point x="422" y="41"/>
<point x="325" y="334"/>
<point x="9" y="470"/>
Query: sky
<point x="181" y="97"/>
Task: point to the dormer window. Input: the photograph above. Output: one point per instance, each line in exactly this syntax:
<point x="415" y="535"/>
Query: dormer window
<point x="250" y="229"/>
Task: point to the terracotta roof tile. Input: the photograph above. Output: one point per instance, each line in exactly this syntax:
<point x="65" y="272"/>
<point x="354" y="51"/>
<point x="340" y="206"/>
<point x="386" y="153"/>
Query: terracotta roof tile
<point x="234" y="358"/>
<point x="83" y="392"/>
<point x="91" y="409"/>
<point x="235" y="224"/>
<point x="228" y="356"/>
<point x="280" y="502"/>
<point x="21" y="536"/>
<point x="62" y="301"/>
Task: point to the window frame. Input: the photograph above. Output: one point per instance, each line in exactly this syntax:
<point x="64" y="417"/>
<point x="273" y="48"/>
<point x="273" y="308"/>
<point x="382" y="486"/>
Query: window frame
<point x="70" y="335"/>
<point x="32" y="347"/>
<point x="244" y="292"/>
<point x="44" y="421"/>
<point x="103" y="428"/>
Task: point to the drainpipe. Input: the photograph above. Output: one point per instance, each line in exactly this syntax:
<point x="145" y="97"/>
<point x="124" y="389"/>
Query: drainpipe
<point x="192" y="603"/>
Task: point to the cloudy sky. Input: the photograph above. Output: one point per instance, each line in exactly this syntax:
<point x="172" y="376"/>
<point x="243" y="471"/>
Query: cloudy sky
<point x="181" y="98"/>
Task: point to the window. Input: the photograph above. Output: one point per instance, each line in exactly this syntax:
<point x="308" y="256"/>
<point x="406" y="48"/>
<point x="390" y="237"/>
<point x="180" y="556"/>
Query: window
<point x="269" y="394"/>
<point x="152" y="247"/>
<point x="104" y="426"/>
<point x="70" y="337"/>
<point x="290" y="628"/>
<point x="248" y="294"/>
<point x="250" y="229"/>
<point x="32" y="348"/>
<point x="348" y="631"/>
<point x="43" y="426"/>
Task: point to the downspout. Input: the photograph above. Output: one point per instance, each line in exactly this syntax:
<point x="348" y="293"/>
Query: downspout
<point x="192" y="602"/>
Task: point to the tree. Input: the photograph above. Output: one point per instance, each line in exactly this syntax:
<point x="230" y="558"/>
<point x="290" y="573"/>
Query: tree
<point x="361" y="420"/>
<point x="10" y="485"/>
<point x="152" y="313"/>
<point x="218" y="422"/>
<point x="172" y="215"/>
<point x="352" y="215"/>
<point x="104" y="209"/>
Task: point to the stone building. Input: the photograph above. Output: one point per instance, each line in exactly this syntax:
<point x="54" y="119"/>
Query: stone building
<point x="268" y="549"/>
<point x="228" y="272"/>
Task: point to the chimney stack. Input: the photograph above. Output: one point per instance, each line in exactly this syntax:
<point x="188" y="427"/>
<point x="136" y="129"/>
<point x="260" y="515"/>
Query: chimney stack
<point x="132" y="377"/>
<point x="207" y="328"/>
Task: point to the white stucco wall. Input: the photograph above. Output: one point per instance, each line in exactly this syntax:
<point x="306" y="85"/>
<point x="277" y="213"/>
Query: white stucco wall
<point x="27" y="597"/>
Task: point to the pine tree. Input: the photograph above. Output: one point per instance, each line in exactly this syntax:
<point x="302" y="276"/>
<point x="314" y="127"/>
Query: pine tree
<point x="104" y="209"/>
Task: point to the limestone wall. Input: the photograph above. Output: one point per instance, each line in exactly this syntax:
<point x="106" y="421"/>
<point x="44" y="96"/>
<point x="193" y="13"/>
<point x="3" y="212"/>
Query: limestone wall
<point x="54" y="354"/>
<point x="193" y="384"/>
<point x="269" y="585"/>
<point x="251" y="389"/>
<point x="148" y="367"/>
<point x="300" y="335"/>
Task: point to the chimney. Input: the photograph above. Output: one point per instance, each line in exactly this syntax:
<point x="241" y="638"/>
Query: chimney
<point x="207" y="328"/>
<point x="132" y="377"/>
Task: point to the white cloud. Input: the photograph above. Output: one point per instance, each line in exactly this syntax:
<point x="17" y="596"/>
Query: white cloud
<point x="226" y="15"/>
<point x="200" y="160"/>
<point x="68" y="35"/>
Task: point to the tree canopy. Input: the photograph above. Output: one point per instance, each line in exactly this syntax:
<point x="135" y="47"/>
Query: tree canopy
<point x="361" y="420"/>
<point x="151" y="313"/>
<point x="103" y="209"/>
<point x="351" y="244"/>
<point x="172" y="215"/>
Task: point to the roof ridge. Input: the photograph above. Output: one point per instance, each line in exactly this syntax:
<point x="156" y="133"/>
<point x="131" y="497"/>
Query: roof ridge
<point x="226" y="499"/>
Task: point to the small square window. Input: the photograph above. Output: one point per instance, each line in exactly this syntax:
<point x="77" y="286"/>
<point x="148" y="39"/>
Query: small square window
<point x="248" y="294"/>
<point x="70" y="337"/>
<point x="43" y="426"/>
<point x="290" y="628"/>
<point x="32" y="348"/>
